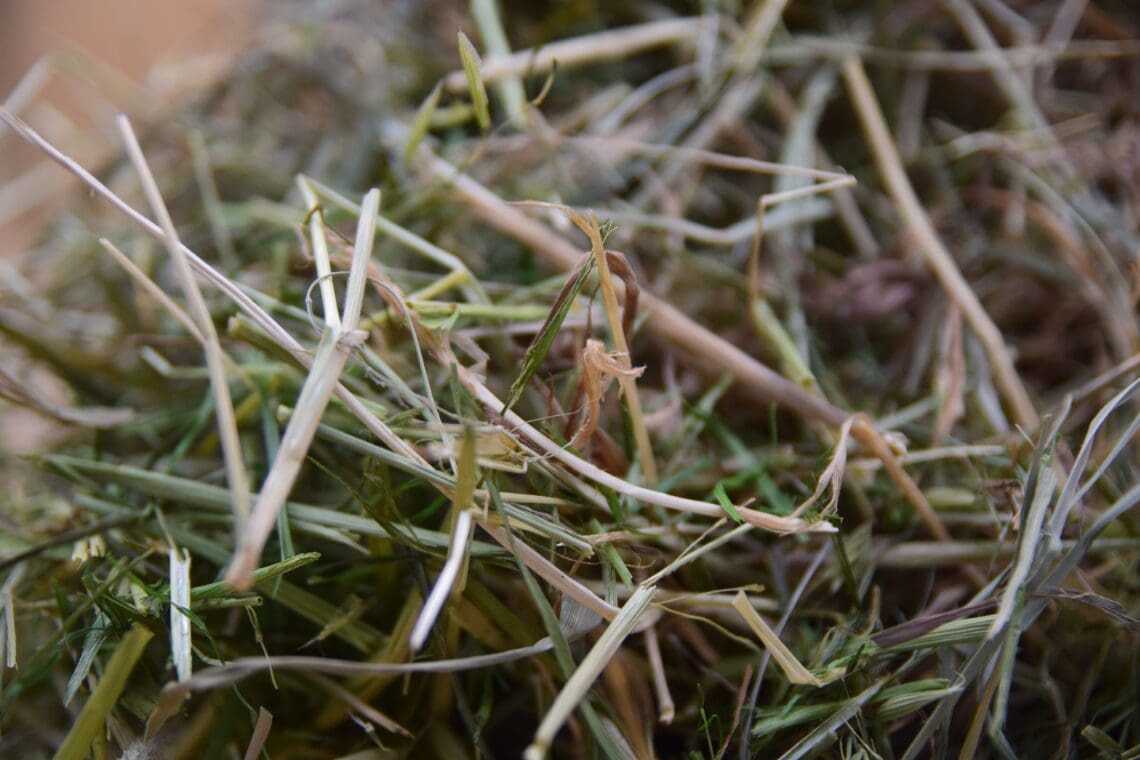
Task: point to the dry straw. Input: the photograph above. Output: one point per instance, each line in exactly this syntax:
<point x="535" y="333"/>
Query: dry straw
<point x="465" y="472"/>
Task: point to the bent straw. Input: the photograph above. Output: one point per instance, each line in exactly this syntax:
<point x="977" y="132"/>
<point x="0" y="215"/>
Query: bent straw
<point x="667" y="323"/>
<point x="337" y="342"/>
<point x="200" y="313"/>
<point x="670" y="325"/>
<point x="549" y="448"/>
<point x="930" y="245"/>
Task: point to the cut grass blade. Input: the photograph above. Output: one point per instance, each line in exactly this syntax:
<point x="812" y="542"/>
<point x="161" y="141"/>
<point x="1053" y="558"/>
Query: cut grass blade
<point x="215" y="361"/>
<point x="457" y="551"/>
<point x="937" y="257"/>
<point x="260" y="734"/>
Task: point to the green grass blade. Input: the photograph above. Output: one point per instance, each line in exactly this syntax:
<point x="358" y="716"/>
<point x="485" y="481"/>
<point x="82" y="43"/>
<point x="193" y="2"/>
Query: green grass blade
<point x="726" y="503"/>
<point x="540" y="346"/>
<point x="98" y="707"/>
<point x="469" y="57"/>
<point x="422" y="121"/>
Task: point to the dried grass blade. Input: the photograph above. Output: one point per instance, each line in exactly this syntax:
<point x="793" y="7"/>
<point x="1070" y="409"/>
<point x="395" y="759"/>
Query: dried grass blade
<point x="320" y="252"/>
<point x="321" y="383"/>
<point x="544" y="569"/>
<point x="260" y="734"/>
<point x="792" y="667"/>
<point x="8" y="634"/>
<point x="361" y="255"/>
<point x="222" y="675"/>
<point x="360" y="706"/>
<point x="930" y="245"/>
<point x="445" y="583"/>
<point x="665" y="707"/>
<point x="223" y="405"/>
<point x="831" y="477"/>
<point x="180" y="645"/>
<point x="146" y="283"/>
<point x="315" y="393"/>
<point x="574" y="691"/>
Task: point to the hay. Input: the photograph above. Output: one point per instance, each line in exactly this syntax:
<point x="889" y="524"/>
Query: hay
<point x="842" y="433"/>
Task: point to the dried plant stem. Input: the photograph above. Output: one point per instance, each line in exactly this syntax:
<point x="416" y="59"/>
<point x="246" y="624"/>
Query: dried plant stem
<point x="544" y="569"/>
<point x="931" y="247"/>
<point x="1001" y="67"/>
<point x="215" y="362"/>
<point x="433" y="605"/>
<point x="665" y="707"/>
<point x="624" y="623"/>
<point x="625" y="379"/>
<point x="548" y="448"/>
<point x="358" y="705"/>
<point x="336" y="344"/>
<point x="671" y="326"/>
<point x="608" y="45"/>
<point x="232" y="291"/>
<point x="667" y="322"/>
<point x="320" y="247"/>
<point x="146" y="283"/>
<point x="870" y="437"/>
<point x="260" y="734"/>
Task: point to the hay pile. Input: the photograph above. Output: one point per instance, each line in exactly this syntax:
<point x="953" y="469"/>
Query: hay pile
<point x="751" y="384"/>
